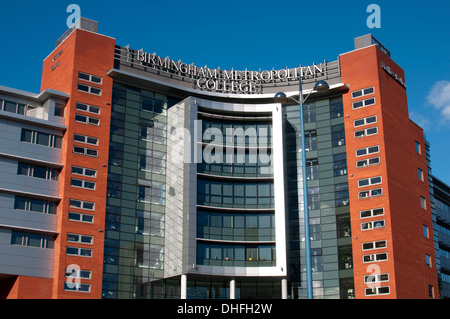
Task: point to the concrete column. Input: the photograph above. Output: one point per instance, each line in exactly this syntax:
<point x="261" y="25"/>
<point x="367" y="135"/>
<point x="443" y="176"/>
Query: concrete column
<point x="284" y="289"/>
<point x="183" y="293"/>
<point x="232" y="289"/>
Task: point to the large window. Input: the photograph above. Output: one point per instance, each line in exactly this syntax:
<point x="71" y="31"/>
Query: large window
<point x="34" y="205"/>
<point x="153" y="192"/>
<point x="235" y="195"/>
<point x="340" y="164"/>
<point x="253" y="255"/>
<point x="341" y="194"/>
<point x="32" y="239"/>
<point x="41" y="138"/>
<point x="37" y="171"/>
<point x="336" y="108"/>
<point x="337" y="135"/>
<point x="236" y="226"/>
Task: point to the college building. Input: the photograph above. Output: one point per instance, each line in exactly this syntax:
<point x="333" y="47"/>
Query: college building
<point x="132" y="175"/>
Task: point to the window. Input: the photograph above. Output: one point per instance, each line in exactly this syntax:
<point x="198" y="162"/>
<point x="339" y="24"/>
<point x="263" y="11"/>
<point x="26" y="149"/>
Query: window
<point x="82" y="183"/>
<point x="89" y="77"/>
<point x="37" y="171"/>
<point x="370" y="193"/>
<point x="337" y="135"/>
<point x="341" y="194"/>
<point x="423" y="202"/>
<point x="420" y="174"/>
<point x="375" y="257"/>
<point x="366" y="132"/>
<point x="312" y="169"/>
<point x="367" y="150"/>
<point x="430" y="291"/>
<point x="426" y="234"/>
<point x="374" y="245"/>
<point x="84" y="171"/>
<point x="372" y="224"/>
<point x="371" y="212"/>
<point x="34" y="205"/>
<point x="87" y="119"/>
<point x="428" y="260"/>
<point x="13" y="107"/>
<point x="377" y="291"/>
<point x="368" y="162"/>
<point x="153" y="193"/>
<point x="363" y="92"/>
<point x="78" y="273"/>
<point x="32" y="239"/>
<point x="152" y="161"/>
<point x="40" y="138"/>
<point x="336" y="108"/>
<point x="311" y="140"/>
<point x="59" y="110"/>
<point x="79" y="217"/>
<point x="370" y="279"/>
<point x="89" y="89"/>
<point x="340" y="164"/>
<point x="418" y="149"/>
<point x="88" y="108"/>
<point x="85" y="139"/>
<point x="83" y="239"/>
<point x="79" y="287"/>
<point x="365" y="121"/>
<point x="81" y="204"/>
<point x="363" y="103"/>
<point x="85" y="151"/>
<point x="77" y="251"/>
<point x="369" y="181"/>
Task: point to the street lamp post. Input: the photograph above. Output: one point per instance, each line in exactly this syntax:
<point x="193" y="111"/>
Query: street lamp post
<point x="280" y="97"/>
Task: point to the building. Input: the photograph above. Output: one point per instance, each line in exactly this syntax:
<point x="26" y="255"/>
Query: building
<point x="440" y="202"/>
<point x="147" y="177"/>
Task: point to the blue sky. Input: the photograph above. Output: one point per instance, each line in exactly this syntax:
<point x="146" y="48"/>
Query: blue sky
<point x="252" y="34"/>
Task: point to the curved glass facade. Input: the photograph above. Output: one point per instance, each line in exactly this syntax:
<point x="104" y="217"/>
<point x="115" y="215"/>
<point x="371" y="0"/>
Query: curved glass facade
<point x="235" y="192"/>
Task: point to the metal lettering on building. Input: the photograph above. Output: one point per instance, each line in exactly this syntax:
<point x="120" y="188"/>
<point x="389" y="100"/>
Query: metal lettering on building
<point x="218" y="80"/>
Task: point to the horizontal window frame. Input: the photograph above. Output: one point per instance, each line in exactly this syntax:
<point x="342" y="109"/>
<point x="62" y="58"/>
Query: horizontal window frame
<point x="363" y="92"/>
<point x="374" y="243"/>
<point x="80" y="138"/>
<point x="367" y="162"/>
<point x="370" y="181"/>
<point x="366" y="132"/>
<point x="82" y="204"/>
<point x="82" y="217"/>
<point x="372" y="210"/>
<point x="86" y="151"/>
<point x="365" y="120"/>
<point x="364" y="103"/>
<point x="84" y="183"/>
<point x="375" y="257"/>
<point x="90" y="89"/>
<point x="94" y="121"/>
<point x="373" y="224"/>
<point x="367" y="149"/>
<point x="80" y="107"/>
<point x="90" y="77"/>
<point x="81" y="239"/>
<point x="80" y="251"/>
<point x="377" y="289"/>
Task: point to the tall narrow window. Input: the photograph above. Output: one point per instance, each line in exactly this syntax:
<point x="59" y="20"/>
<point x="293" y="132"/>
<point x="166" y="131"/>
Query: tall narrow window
<point x="423" y="202"/>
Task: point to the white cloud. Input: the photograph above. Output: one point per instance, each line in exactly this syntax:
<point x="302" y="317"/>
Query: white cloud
<point x="420" y="120"/>
<point x="439" y="98"/>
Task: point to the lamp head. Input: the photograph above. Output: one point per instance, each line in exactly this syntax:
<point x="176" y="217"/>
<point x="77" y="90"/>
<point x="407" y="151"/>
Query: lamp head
<point x="321" y="86"/>
<point x="280" y="97"/>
